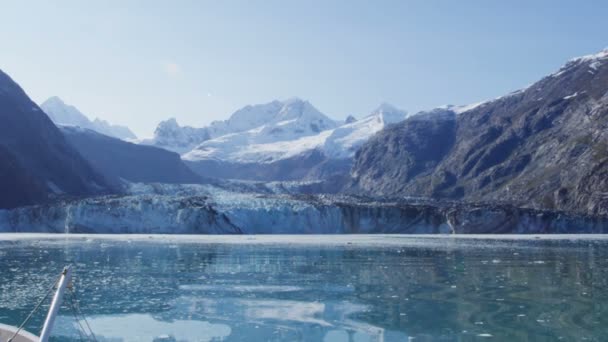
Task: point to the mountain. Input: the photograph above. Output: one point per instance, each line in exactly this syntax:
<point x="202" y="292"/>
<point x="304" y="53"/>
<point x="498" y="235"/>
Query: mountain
<point x="293" y="122"/>
<point x="170" y="136"/>
<point x="64" y="114"/>
<point x="120" y="160"/>
<point x="37" y="163"/>
<point x="545" y="146"/>
<point x="277" y="120"/>
<point x="17" y="186"/>
<point x="295" y="147"/>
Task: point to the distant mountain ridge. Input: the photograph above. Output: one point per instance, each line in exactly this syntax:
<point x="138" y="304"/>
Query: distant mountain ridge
<point x="64" y="114"/>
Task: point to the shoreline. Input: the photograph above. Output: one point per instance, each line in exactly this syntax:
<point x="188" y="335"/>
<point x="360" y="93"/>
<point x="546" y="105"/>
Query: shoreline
<point x="303" y="239"/>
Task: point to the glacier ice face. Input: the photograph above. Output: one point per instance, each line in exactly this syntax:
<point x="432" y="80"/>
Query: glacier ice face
<point x="206" y="209"/>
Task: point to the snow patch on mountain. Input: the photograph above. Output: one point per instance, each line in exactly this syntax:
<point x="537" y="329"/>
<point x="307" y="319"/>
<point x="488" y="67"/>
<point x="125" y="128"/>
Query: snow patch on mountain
<point x="173" y="137"/>
<point x="344" y="141"/>
<point x="593" y="60"/>
<point x="459" y="109"/>
<point x="68" y="115"/>
<point x="263" y="123"/>
<point x="289" y="136"/>
<point x="592" y="57"/>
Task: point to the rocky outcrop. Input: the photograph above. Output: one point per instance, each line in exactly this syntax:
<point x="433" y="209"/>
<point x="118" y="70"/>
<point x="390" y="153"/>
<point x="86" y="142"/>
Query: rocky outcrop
<point x="545" y="146"/>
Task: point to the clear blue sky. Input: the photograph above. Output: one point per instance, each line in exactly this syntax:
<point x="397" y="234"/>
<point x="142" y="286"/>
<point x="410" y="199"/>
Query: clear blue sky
<point x="139" y="62"/>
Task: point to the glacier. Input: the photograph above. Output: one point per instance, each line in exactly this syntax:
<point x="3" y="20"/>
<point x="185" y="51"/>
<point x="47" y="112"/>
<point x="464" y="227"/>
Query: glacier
<point x="212" y="209"/>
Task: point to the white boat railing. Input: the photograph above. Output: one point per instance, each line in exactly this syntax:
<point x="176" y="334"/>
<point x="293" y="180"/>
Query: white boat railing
<point x="63" y="283"/>
<point x="66" y="278"/>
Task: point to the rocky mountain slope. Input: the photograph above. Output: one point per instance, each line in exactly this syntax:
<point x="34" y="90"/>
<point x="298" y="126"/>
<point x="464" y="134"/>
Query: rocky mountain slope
<point x="302" y="153"/>
<point x="119" y="160"/>
<point x="17" y="186"/>
<point x="545" y="146"/>
<point x="36" y="161"/>
<point x="67" y="115"/>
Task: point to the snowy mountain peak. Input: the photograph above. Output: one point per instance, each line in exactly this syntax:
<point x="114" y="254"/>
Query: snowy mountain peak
<point x="594" y="61"/>
<point x="54" y="100"/>
<point x="263" y="123"/>
<point x="64" y="114"/>
<point x="298" y="130"/>
<point x="171" y="136"/>
<point x="167" y="128"/>
<point x="169" y="124"/>
<point x="592" y="57"/>
<point x="297" y="109"/>
<point x="294" y="100"/>
<point x="350" y="119"/>
<point x="385" y="107"/>
<point x="246" y="118"/>
<point x="388" y="113"/>
<point x="68" y="115"/>
<point x="459" y="109"/>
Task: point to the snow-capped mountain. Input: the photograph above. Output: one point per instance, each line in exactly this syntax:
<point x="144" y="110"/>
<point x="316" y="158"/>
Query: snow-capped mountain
<point x="295" y="122"/>
<point x="263" y="123"/>
<point x="67" y="115"/>
<point x="173" y="137"/>
<point x="345" y="140"/>
<point x="257" y="146"/>
<point x="303" y="143"/>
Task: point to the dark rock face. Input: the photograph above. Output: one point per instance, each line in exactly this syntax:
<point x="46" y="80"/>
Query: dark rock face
<point x="117" y="159"/>
<point x="34" y="155"/>
<point x="404" y="152"/>
<point x="16" y="181"/>
<point x="542" y="147"/>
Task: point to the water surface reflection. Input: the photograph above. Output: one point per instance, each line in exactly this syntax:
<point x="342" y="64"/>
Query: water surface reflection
<point x="430" y="290"/>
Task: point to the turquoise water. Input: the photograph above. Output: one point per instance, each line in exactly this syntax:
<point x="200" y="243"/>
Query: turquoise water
<point x="315" y="288"/>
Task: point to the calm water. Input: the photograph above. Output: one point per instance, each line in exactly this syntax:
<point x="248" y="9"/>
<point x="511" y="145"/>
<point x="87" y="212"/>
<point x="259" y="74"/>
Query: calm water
<point x="322" y="289"/>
